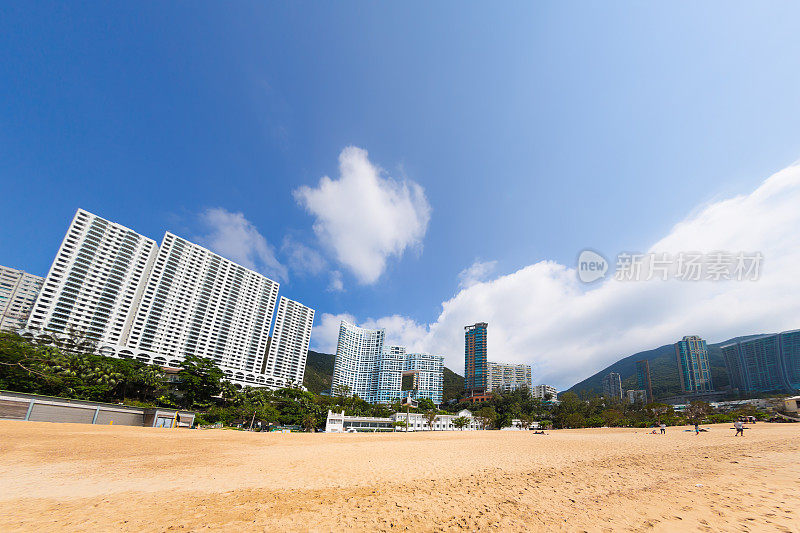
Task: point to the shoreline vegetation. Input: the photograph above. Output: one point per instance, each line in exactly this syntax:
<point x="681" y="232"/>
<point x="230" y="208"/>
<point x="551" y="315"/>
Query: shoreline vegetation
<point x="199" y="385"/>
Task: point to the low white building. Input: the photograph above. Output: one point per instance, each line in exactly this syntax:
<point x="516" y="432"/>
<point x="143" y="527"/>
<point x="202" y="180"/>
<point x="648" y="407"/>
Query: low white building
<point x="517" y="425"/>
<point x="341" y="423"/>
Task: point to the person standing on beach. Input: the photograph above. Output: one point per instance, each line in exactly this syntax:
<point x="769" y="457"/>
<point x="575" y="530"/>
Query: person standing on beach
<point x="696" y="429"/>
<point x="663" y="427"/>
<point x="739" y="428"/>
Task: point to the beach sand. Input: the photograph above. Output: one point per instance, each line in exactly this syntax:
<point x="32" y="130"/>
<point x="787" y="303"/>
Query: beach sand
<point x="71" y="477"/>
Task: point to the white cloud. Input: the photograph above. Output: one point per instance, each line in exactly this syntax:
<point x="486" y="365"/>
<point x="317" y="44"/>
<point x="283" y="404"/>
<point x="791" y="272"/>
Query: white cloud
<point x="301" y="258"/>
<point x="400" y="331"/>
<point x="542" y="315"/>
<point x="478" y="271"/>
<point x="336" y="284"/>
<point x="234" y="237"/>
<point x="365" y="217"/>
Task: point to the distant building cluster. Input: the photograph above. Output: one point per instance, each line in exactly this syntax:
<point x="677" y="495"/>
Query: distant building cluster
<point x="483" y="377"/>
<point x="375" y="372"/>
<point x="766" y="363"/>
<point x="159" y="304"/>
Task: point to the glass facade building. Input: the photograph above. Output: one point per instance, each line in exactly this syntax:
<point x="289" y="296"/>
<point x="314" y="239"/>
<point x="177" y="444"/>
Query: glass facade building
<point x="765" y="364"/>
<point x="476" y="364"/>
<point x="693" y="367"/>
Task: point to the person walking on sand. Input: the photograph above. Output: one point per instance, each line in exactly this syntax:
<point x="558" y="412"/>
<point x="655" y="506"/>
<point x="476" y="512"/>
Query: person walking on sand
<point x="663" y="427"/>
<point x="739" y="428"/>
<point x="696" y="429"/>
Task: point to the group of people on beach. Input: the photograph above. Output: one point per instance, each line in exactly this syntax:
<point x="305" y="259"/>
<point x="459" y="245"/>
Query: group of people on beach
<point x="737" y="425"/>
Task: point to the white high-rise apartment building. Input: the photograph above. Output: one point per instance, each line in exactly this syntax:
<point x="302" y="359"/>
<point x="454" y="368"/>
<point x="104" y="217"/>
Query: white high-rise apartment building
<point x="158" y="306"/>
<point x="198" y="303"/>
<point x="18" y="292"/>
<point x="428" y="372"/>
<point x="505" y="377"/>
<point x="390" y="368"/>
<point x="355" y="366"/>
<point x="288" y="349"/>
<point x="541" y="392"/>
<point x="375" y="372"/>
<point x="95" y="282"/>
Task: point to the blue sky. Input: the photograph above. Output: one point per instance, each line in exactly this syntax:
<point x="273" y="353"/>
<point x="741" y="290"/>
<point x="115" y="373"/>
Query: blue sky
<point x="506" y="136"/>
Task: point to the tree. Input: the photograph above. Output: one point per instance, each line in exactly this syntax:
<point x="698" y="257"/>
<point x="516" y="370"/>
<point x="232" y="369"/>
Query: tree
<point x="341" y="390"/>
<point x="425" y="404"/>
<point x="486" y="416"/>
<point x="611" y="417"/>
<point x="309" y="422"/>
<point x="199" y="380"/>
<point x="461" y="422"/>
<point x="400" y="423"/>
<point x="697" y="411"/>
<point x="23" y="365"/>
<point x="430" y="417"/>
<point x="525" y="421"/>
<point x="229" y="392"/>
<point x="148" y="378"/>
<point x="574" y="420"/>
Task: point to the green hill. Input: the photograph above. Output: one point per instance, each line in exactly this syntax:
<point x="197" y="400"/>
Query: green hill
<point x="319" y="371"/>
<point x="663" y="371"/>
<point x="319" y="374"/>
<point x="453" y="385"/>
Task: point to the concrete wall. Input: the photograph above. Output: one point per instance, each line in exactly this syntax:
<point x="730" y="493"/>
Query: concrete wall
<point x="35" y="408"/>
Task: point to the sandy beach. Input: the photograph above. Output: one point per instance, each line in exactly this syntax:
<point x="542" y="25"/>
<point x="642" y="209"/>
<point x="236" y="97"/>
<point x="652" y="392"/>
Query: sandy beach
<point x="68" y="477"/>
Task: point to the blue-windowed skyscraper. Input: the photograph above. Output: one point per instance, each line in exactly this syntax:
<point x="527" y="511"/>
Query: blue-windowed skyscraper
<point x="695" y="371"/>
<point x="476" y="363"/>
<point x="766" y="363"/>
